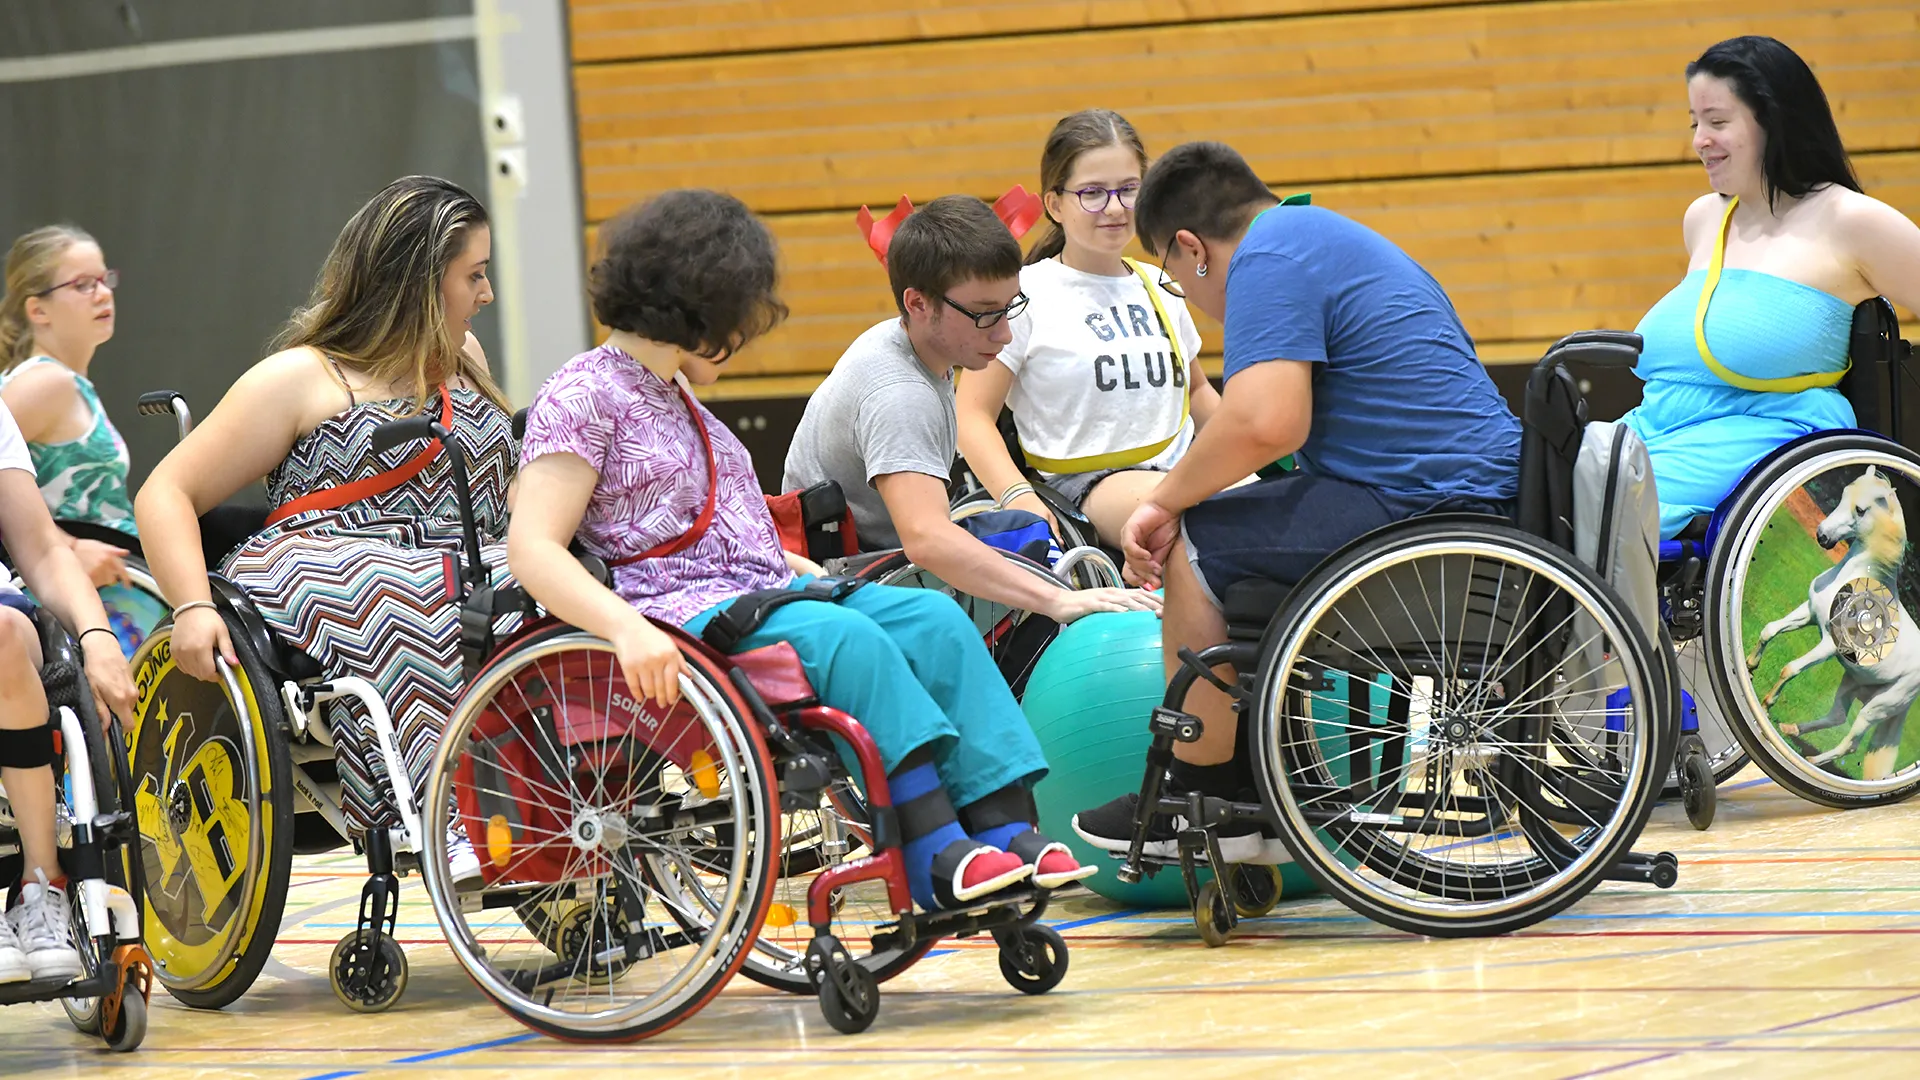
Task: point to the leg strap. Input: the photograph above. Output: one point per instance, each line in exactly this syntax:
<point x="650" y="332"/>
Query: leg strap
<point x="743" y="616"/>
<point x="26" y="749"/>
<point x="924" y="815"/>
<point x="1010" y="805"/>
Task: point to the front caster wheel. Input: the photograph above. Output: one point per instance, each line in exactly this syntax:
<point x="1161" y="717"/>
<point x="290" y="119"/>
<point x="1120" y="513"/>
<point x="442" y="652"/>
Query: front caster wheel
<point x="1035" y="961"/>
<point x="130" y="1027"/>
<point x="849" y="994"/>
<point x="1211" y="916"/>
<point x="368" y="977"/>
<point x="1697" y="792"/>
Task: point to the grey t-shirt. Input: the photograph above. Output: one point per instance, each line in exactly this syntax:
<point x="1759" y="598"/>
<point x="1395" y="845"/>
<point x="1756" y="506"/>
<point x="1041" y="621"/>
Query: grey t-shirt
<point x="880" y="411"/>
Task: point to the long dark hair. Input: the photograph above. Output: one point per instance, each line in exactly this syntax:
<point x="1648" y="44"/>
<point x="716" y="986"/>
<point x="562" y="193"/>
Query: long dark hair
<point x="1804" y="152"/>
<point x="1088" y="129"/>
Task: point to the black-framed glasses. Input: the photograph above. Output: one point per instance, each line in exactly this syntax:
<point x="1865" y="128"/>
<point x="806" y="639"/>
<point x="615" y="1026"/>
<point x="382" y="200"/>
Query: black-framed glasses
<point x="1166" y="282"/>
<point x="1094" y="199"/>
<point x="85" y="284"/>
<point x="985" y="320"/>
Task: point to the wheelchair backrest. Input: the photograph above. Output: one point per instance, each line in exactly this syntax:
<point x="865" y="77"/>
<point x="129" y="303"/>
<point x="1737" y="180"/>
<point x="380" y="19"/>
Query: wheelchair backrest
<point x="1878" y="378"/>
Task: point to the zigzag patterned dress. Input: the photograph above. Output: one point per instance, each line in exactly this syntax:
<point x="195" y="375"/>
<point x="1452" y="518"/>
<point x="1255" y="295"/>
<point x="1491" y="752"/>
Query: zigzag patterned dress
<point x="365" y="589"/>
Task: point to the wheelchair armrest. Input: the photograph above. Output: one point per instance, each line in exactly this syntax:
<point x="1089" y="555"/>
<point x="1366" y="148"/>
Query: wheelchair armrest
<point x="822" y="504"/>
<point x="1062" y="510"/>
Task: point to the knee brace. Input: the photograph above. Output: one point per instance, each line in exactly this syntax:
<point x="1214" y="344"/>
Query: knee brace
<point x="28" y="748"/>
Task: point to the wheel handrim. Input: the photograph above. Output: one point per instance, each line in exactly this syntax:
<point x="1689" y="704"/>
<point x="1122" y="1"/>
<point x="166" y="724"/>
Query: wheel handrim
<point x="1529" y="857"/>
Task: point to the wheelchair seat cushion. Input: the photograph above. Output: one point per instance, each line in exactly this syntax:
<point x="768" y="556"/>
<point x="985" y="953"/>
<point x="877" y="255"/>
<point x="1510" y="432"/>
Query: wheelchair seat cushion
<point x="1250" y="604"/>
<point x="775" y="671"/>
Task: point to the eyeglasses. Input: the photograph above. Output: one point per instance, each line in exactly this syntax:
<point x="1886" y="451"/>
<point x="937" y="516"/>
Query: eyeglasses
<point x="1166" y="282"/>
<point x="985" y="320"/>
<point x="1095" y="199"/>
<point x="86" y="284"/>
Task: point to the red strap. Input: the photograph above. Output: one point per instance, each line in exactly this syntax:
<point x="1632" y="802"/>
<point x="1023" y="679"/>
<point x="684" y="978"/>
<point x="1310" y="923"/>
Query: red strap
<point x="700" y="524"/>
<point x="335" y="497"/>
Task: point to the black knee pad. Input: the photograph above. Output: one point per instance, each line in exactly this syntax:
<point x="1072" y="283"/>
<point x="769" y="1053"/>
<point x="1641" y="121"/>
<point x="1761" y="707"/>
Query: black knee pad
<point x="26" y="749"/>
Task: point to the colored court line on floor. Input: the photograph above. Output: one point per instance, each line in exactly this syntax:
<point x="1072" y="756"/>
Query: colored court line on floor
<point x="1720" y="1043"/>
<point x="434" y="1055"/>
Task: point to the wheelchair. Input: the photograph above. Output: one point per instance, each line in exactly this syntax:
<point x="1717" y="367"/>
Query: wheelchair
<point x="1456" y="726"/>
<point x="634" y="858"/>
<point x="231" y="779"/>
<point x="92" y="826"/>
<point x="1791" y="605"/>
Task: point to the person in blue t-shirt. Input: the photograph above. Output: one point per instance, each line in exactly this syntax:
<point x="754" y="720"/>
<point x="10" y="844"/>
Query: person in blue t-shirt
<point x="1341" y="351"/>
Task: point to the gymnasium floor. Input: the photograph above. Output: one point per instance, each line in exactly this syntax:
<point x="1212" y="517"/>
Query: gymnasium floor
<point x="1788" y="948"/>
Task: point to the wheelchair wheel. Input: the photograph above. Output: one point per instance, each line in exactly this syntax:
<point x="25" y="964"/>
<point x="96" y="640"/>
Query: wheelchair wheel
<point x="1810" y="632"/>
<point x="1524" y="722"/>
<point x="214" y="800"/>
<point x="586" y="807"/>
<point x="1015" y="638"/>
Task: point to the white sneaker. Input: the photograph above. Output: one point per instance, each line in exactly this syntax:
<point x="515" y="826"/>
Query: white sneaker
<point x="42" y="925"/>
<point x="13" y="962"/>
<point x="462" y="863"/>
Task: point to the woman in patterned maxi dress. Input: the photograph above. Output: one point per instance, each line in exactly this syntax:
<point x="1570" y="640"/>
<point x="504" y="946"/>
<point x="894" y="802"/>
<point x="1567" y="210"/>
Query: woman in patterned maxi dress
<point x="362" y="584"/>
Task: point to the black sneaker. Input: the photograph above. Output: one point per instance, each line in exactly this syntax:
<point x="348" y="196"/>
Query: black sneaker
<point x="1110" y="828"/>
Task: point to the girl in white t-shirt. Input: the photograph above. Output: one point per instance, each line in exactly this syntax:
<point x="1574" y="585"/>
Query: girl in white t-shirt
<point x="1100" y="375"/>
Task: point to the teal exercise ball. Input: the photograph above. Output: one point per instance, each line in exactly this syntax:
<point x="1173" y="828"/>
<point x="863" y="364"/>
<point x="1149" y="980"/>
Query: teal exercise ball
<point x="1088" y="700"/>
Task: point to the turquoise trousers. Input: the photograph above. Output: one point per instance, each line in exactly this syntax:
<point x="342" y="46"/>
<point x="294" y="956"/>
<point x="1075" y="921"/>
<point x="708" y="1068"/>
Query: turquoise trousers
<point x="910" y="666"/>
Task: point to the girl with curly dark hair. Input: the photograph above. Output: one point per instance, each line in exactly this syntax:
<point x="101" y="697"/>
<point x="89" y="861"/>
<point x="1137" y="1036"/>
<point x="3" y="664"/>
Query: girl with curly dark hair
<point x="619" y="452"/>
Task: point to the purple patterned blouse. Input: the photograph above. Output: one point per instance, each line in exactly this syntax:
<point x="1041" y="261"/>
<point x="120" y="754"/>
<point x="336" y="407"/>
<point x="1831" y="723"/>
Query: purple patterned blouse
<point x="633" y="428"/>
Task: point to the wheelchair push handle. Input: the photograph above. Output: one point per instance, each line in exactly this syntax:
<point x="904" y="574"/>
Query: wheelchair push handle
<point x="395" y="433"/>
<point x="1594" y="348"/>
<point x="163" y="402"/>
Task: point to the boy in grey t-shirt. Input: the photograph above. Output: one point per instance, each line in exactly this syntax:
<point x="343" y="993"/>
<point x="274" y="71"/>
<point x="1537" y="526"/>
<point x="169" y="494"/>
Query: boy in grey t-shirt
<point x="881" y="411"/>
<point x="882" y="424"/>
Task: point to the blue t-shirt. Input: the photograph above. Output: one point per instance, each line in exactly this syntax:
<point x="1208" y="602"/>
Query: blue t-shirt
<point x="1400" y="400"/>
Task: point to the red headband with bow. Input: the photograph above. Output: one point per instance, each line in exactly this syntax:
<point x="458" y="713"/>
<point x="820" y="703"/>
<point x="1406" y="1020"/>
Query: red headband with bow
<point x="1018" y="209"/>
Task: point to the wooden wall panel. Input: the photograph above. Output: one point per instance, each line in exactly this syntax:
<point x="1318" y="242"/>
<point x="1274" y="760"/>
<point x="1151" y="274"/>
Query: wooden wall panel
<point x="1525" y="258"/>
<point x="1453" y="91"/>
<point x="605" y="30"/>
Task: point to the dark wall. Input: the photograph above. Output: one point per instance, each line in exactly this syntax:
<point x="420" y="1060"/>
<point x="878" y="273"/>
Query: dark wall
<point x="217" y="188"/>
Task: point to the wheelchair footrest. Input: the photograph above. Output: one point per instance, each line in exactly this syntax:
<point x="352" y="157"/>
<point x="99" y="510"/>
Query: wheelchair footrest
<point x="56" y="988"/>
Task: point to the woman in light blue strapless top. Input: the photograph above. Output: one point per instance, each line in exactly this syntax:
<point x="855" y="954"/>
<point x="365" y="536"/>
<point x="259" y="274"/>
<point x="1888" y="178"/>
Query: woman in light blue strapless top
<point x="1744" y="354"/>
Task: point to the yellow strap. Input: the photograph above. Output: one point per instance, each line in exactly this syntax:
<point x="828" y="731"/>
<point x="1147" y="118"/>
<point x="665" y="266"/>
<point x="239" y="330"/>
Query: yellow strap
<point x="1792" y="384"/>
<point x="1120" y="459"/>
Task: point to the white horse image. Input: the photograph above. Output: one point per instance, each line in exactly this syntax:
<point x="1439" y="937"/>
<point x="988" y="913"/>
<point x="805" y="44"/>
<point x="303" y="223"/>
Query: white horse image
<point x="1862" y="622"/>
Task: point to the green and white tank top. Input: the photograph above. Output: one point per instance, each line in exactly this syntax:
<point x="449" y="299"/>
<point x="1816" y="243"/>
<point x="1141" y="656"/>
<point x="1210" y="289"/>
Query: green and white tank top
<point x="84" y="479"/>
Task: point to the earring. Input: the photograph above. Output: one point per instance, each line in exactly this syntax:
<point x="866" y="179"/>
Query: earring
<point x="1201" y="269"/>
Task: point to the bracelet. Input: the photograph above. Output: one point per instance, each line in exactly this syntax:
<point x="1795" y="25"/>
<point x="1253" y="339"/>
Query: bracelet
<point x="98" y="630"/>
<point x="190" y="605"/>
<point x="1013" y="492"/>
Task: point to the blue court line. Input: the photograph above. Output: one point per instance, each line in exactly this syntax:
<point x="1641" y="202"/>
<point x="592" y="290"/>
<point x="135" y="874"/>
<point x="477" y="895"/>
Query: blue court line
<point x="1746" y="784"/>
<point x="435" y="1055"/>
<point x="1089" y="921"/>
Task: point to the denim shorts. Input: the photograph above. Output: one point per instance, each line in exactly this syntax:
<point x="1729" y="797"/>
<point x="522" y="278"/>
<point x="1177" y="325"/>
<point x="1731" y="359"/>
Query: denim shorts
<point x="1075" y="487"/>
<point x="1283" y="527"/>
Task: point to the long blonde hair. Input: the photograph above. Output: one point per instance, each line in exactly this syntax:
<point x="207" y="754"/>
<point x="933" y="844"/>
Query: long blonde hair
<point x="32" y="263"/>
<point x="377" y="302"/>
